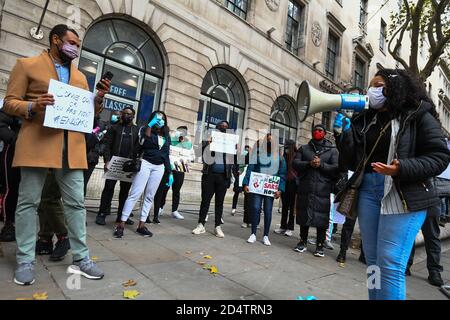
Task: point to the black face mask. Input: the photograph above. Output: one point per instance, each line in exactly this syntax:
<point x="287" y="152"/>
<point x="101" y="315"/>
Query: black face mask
<point x="127" y="120"/>
<point x="222" y="129"/>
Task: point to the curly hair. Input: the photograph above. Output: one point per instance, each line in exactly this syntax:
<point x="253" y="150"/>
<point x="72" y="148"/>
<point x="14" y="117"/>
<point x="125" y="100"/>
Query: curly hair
<point x="404" y="91"/>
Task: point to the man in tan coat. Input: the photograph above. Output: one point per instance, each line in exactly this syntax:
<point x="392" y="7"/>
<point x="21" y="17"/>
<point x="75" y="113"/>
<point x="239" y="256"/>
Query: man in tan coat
<point x="40" y="148"/>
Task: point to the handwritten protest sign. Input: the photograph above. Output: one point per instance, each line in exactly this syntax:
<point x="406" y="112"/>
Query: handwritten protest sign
<point x="224" y="142"/>
<point x="180" y="159"/>
<point x="115" y="171"/>
<point x="263" y="184"/>
<point x="73" y="109"/>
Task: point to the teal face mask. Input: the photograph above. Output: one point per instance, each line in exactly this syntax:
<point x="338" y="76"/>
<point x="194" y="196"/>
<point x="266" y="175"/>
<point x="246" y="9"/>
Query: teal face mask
<point x="115" y="118"/>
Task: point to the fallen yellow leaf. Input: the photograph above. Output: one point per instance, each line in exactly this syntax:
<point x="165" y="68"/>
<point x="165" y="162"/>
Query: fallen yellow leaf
<point x="130" y="294"/>
<point x="214" y="270"/>
<point x="94" y="258"/>
<point x="342" y="265"/>
<point x="40" y="296"/>
<point x="129" y="283"/>
<point x="201" y="262"/>
<point x="207" y="257"/>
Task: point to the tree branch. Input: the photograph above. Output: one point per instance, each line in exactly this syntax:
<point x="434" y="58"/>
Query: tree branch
<point x="434" y="57"/>
<point x="401" y="30"/>
<point x="415" y="36"/>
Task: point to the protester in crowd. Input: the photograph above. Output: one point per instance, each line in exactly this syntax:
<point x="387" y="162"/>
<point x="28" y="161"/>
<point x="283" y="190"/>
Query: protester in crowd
<point x="216" y="179"/>
<point x="154" y="141"/>
<point x="430" y="232"/>
<point x="239" y="169"/>
<point x="39" y="148"/>
<point x="93" y="149"/>
<point x="288" y="197"/>
<point x="52" y="221"/>
<point x="10" y="179"/>
<point x="180" y="140"/>
<point x="120" y="140"/>
<point x="396" y="189"/>
<point x="317" y="167"/>
<point x="265" y="159"/>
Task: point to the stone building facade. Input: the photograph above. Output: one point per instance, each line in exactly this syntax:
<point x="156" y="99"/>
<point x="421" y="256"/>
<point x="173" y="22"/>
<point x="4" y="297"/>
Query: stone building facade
<point x="201" y="61"/>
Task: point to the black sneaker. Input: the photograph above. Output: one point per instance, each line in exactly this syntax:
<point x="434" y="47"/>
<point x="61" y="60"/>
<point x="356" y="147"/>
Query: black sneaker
<point x="100" y="220"/>
<point x="144" y="232"/>
<point x="118" y="232"/>
<point x="148" y="220"/>
<point x="301" y="246"/>
<point x="341" y="256"/>
<point x="129" y="222"/>
<point x="435" y="279"/>
<point x="156" y="220"/>
<point x="61" y="248"/>
<point x="8" y="233"/>
<point x="319" y="252"/>
<point x="44" y="247"/>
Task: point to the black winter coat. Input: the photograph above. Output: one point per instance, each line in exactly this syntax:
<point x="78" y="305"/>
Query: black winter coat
<point x="9" y="128"/>
<point x="315" y="184"/>
<point x="421" y="150"/>
<point x="113" y="139"/>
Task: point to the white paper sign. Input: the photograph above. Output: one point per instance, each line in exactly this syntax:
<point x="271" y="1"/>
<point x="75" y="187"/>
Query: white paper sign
<point x="224" y="142"/>
<point x="73" y="109"/>
<point x="263" y="184"/>
<point x="115" y="171"/>
<point x="180" y="159"/>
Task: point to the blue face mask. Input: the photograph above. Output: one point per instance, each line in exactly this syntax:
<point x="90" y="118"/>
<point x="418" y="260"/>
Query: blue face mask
<point x="161" y="123"/>
<point x="115" y="118"/>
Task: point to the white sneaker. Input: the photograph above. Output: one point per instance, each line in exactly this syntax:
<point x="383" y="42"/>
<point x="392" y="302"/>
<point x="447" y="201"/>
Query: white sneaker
<point x="221" y="220"/>
<point x="219" y="233"/>
<point x="289" y="233"/>
<point x="252" y="238"/>
<point x="200" y="229"/>
<point x="177" y="215"/>
<point x="266" y="241"/>
<point x="233" y="212"/>
<point x="280" y="231"/>
<point x="161" y="212"/>
<point x="245" y="225"/>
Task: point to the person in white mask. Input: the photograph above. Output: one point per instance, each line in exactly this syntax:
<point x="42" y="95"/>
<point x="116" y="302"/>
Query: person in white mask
<point x="395" y="149"/>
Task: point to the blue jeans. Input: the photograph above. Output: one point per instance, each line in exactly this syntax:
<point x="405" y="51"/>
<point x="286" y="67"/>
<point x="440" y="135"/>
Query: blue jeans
<point x="256" y="203"/>
<point x="387" y="240"/>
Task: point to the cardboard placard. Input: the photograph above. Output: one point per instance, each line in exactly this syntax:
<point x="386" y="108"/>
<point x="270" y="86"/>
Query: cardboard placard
<point x="180" y="159"/>
<point x="263" y="184"/>
<point x="224" y="142"/>
<point x="115" y="170"/>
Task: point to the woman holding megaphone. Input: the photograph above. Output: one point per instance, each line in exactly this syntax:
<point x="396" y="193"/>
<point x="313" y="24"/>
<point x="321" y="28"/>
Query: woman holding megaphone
<point x="394" y="149"/>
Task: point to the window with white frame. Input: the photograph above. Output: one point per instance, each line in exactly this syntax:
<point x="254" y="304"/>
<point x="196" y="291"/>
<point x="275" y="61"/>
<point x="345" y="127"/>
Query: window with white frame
<point x="363" y="15"/>
<point x="332" y="54"/>
<point x="359" y="76"/>
<point x="238" y="7"/>
<point x="383" y="36"/>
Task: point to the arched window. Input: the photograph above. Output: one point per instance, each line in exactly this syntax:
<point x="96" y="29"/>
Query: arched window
<point x="284" y="118"/>
<point x="222" y="98"/>
<point x="129" y="52"/>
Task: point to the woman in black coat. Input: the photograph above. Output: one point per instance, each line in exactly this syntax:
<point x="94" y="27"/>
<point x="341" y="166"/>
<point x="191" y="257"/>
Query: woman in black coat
<point x="317" y="167"/>
<point x="396" y="188"/>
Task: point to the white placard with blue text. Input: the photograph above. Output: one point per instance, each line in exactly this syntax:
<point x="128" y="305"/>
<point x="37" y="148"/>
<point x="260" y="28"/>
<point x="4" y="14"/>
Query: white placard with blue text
<point x="73" y="109"/>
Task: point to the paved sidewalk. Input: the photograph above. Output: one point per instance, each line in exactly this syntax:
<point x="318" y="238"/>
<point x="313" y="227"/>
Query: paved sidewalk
<point x="165" y="266"/>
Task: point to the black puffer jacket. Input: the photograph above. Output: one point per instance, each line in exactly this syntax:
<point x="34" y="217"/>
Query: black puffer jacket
<point x="315" y="184"/>
<point x="9" y="128"/>
<point x="421" y="150"/>
<point x="113" y="141"/>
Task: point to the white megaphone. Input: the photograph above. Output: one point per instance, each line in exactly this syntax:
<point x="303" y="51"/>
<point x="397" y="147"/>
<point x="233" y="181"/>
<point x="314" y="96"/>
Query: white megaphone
<point x="311" y="101"/>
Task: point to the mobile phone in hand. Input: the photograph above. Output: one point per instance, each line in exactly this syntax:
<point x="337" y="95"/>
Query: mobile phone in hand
<point x="107" y="76"/>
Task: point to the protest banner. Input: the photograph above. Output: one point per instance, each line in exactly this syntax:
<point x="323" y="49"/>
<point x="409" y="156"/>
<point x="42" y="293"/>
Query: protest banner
<point x="115" y="170"/>
<point x="180" y="159"/>
<point x="263" y="184"/>
<point x="224" y="142"/>
<point x="73" y="109"/>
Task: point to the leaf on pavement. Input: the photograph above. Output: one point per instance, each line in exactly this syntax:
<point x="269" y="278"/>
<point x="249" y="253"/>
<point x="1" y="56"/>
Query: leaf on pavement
<point x="94" y="258"/>
<point x="207" y="257"/>
<point x="129" y="283"/>
<point x="40" y="296"/>
<point x="214" y="270"/>
<point x="188" y="252"/>
<point x="130" y="294"/>
<point x="24" y="298"/>
<point x="201" y="262"/>
<point x="206" y="267"/>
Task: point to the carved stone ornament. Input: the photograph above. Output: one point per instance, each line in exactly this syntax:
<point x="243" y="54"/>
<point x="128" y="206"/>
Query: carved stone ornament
<point x="273" y="5"/>
<point x="316" y="33"/>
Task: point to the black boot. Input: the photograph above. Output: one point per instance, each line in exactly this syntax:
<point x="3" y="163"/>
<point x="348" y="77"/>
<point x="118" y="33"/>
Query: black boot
<point x="100" y="220"/>
<point x="8" y="233"/>
<point x="435" y="279"/>
<point x="44" y="247"/>
<point x="341" y="256"/>
<point x="61" y="248"/>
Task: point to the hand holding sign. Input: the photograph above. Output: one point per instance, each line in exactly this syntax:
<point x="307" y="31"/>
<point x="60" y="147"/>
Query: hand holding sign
<point x="42" y="102"/>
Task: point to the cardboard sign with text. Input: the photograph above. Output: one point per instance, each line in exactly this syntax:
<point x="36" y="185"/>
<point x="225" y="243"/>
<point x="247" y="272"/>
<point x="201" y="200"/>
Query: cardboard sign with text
<point x="224" y="142"/>
<point x="263" y="184"/>
<point x="180" y="159"/>
<point x="73" y="109"/>
<point x="115" y="170"/>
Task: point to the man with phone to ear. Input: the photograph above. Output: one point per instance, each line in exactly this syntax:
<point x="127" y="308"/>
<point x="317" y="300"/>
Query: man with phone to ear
<point x="40" y="149"/>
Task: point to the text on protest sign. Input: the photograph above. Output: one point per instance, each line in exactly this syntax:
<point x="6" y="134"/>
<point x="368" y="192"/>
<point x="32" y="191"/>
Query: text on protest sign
<point x="73" y="109"/>
<point x="263" y="184"/>
<point x="115" y="170"/>
<point x="224" y="142"/>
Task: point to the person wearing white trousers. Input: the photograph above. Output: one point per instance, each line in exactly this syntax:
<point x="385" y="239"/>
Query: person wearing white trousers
<point x="155" y="147"/>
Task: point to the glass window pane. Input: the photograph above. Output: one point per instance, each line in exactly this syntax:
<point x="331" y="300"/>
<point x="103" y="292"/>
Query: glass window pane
<point x="125" y="81"/>
<point x="149" y="99"/>
<point x="127" y="54"/>
<point x="130" y="33"/>
<point x="89" y="65"/>
<point x="94" y="42"/>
